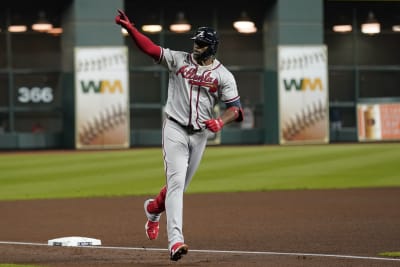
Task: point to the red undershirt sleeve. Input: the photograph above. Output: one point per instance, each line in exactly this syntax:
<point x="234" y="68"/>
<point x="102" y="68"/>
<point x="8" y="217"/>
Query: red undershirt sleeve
<point x="145" y="44"/>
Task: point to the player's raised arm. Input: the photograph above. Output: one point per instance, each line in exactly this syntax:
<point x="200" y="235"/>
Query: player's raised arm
<point x="141" y="41"/>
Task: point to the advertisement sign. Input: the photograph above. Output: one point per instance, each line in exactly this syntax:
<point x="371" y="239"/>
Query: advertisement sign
<point x="303" y="94"/>
<point x="101" y="97"/>
<point x="378" y="122"/>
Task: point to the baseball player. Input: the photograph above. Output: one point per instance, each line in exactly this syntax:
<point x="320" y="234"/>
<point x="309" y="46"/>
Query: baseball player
<point x="197" y="82"/>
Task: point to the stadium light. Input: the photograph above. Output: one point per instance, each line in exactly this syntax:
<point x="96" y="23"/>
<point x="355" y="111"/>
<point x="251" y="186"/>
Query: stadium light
<point x="371" y="26"/>
<point x="42" y="25"/>
<point x="153" y="25"/>
<point x="244" y="24"/>
<point x="181" y="24"/>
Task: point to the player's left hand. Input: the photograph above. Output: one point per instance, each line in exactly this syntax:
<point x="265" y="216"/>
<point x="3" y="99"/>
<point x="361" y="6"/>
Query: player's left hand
<point x="214" y="125"/>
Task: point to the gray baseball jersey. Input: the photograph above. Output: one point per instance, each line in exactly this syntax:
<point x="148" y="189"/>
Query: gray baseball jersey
<point x="193" y="91"/>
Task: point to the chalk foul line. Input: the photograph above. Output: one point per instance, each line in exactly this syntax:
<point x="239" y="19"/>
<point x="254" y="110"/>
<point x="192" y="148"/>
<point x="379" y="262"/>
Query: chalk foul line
<point x="240" y="252"/>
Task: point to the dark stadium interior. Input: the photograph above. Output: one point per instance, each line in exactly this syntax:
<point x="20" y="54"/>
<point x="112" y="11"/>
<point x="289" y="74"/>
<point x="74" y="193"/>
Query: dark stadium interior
<point x="362" y="67"/>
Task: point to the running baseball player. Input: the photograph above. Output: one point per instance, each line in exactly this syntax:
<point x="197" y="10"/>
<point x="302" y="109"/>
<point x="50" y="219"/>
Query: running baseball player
<point x="197" y="82"/>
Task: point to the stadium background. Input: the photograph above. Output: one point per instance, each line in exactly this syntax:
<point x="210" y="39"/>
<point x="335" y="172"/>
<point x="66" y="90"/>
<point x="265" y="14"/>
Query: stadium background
<point x="362" y="68"/>
<point x="337" y="202"/>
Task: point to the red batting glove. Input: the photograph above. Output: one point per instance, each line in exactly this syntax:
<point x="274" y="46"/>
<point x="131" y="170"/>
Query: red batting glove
<point x="123" y="20"/>
<point x="214" y="125"/>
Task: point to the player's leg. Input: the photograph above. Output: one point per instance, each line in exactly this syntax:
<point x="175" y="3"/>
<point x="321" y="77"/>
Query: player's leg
<point x="198" y="143"/>
<point x="157" y="205"/>
<point x="176" y="157"/>
<point x="196" y="148"/>
<point x="153" y="209"/>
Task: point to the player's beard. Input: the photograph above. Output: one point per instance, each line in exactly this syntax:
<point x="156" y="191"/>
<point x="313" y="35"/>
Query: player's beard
<point x="201" y="57"/>
<point x="197" y="55"/>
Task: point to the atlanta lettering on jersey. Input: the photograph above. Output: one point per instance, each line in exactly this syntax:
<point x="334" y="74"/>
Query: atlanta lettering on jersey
<point x="204" y="79"/>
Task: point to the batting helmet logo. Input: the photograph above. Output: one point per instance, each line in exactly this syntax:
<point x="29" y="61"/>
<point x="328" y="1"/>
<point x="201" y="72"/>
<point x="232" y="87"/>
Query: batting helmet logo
<point x="207" y="36"/>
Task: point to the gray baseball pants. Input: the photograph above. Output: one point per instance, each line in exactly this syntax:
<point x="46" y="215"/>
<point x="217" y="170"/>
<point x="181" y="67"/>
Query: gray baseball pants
<point x="182" y="155"/>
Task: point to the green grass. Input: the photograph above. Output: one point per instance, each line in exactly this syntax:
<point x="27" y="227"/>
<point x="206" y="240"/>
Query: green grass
<point x="223" y="169"/>
<point x="390" y="254"/>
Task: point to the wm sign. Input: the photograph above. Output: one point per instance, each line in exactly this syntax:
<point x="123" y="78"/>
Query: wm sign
<point x="101" y="87"/>
<point x="303" y="84"/>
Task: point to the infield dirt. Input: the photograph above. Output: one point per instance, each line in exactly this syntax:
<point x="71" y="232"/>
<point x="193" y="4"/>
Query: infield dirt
<point x="357" y="222"/>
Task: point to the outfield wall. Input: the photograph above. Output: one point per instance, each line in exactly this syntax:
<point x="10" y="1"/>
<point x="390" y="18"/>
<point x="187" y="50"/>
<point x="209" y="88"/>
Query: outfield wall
<point x="142" y="138"/>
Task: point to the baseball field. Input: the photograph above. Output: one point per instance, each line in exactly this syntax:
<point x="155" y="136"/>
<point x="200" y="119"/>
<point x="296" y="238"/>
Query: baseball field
<point x="315" y="205"/>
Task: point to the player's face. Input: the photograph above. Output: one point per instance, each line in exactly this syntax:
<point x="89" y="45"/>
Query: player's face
<point x="198" y="48"/>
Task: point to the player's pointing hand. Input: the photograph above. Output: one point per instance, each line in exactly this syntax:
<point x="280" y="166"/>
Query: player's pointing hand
<point x="123" y="20"/>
